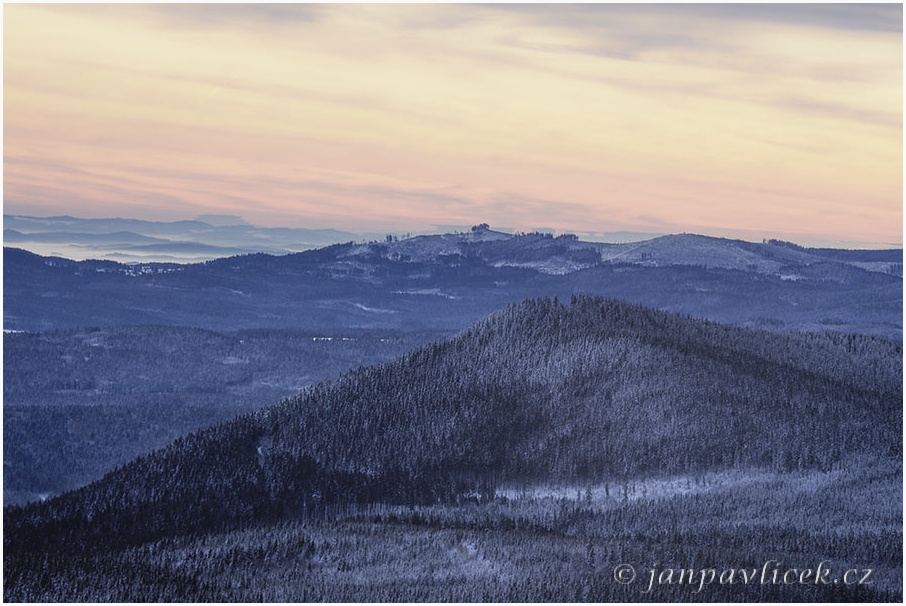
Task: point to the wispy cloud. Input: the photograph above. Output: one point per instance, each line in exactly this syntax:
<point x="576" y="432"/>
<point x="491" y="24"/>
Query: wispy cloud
<point x="603" y="116"/>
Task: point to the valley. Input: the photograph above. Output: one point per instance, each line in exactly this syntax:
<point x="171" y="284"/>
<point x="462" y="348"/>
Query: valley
<point x="78" y="403"/>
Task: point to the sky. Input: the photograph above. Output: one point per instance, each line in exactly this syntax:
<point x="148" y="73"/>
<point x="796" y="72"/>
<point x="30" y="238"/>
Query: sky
<point x="732" y="120"/>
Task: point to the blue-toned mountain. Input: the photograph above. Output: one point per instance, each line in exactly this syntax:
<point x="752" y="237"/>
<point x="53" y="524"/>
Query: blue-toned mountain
<point x="448" y="281"/>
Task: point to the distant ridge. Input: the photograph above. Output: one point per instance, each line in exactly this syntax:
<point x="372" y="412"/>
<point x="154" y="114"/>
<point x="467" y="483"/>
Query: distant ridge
<point x="226" y="235"/>
<point x="447" y="281"/>
<point x="134" y="240"/>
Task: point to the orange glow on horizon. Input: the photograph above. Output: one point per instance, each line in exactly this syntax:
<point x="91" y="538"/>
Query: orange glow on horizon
<point x="408" y="116"/>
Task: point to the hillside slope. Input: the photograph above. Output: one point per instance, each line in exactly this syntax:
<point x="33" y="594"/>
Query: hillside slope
<point x="597" y="390"/>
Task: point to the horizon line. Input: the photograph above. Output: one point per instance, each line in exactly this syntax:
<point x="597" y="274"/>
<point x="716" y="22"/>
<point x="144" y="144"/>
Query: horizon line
<point x="362" y="236"/>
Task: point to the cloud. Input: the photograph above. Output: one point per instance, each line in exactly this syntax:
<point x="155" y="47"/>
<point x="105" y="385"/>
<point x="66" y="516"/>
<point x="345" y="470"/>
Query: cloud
<point x="840" y="111"/>
<point x="452" y="113"/>
<point x="203" y="16"/>
<point x="858" y="17"/>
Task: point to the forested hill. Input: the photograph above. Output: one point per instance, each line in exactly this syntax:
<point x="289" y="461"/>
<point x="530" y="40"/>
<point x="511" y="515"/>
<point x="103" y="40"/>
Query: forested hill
<point x="594" y="390"/>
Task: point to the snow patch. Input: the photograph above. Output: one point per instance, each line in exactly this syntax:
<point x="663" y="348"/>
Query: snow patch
<point x="376" y="310"/>
<point x="553" y="267"/>
<point x="426" y="291"/>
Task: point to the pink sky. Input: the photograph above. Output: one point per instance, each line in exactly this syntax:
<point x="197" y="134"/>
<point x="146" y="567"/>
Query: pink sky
<point x="758" y="121"/>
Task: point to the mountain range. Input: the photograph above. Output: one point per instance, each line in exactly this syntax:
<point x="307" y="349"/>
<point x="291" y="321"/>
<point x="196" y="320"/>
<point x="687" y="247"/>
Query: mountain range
<point x="133" y="240"/>
<point x="447" y="281"/>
